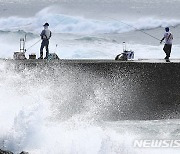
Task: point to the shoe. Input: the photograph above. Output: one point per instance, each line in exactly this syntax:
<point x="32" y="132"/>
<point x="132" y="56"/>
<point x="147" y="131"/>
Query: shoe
<point x="46" y="58"/>
<point x="40" y="58"/>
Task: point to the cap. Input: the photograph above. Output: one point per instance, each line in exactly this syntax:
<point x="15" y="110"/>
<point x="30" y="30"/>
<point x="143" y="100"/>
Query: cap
<point x="167" y="29"/>
<point x="46" y="24"/>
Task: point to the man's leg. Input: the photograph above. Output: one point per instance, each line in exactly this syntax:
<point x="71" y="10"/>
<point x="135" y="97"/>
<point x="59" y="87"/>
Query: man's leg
<point x="166" y="51"/>
<point x="47" y="49"/>
<point x="169" y="46"/>
<point x="41" y="51"/>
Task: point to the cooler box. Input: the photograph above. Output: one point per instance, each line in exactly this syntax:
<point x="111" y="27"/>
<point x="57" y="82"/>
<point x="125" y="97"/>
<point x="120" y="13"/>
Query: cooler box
<point x="52" y="56"/>
<point x="19" y="56"/>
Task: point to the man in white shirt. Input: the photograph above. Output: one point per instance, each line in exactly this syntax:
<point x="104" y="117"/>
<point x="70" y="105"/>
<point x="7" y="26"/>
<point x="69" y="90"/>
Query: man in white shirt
<point x="168" y="43"/>
<point x="45" y="36"/>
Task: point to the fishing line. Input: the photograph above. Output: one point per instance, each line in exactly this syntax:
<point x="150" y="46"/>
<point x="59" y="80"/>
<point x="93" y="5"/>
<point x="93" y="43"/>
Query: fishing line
<point x="33" y="45"/>
<point x="135" y="28"/>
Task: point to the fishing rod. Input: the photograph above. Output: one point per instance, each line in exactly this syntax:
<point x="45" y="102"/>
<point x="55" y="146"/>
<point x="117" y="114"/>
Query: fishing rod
<point x="33" y="45"/>
<point x="136" y="28"/>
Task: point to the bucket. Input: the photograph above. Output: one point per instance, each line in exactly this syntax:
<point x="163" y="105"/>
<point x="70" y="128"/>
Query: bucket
<point x="32" y="56"/>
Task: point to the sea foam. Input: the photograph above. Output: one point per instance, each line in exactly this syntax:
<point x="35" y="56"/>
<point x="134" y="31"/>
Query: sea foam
<point x="61" y="23"/>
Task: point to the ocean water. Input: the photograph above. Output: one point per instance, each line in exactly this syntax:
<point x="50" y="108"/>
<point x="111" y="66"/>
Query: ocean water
<point x="39" y="113"/>
<point x="90" y="29"/>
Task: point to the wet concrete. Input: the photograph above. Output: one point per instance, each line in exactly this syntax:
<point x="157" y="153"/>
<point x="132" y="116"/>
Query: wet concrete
<point x="137" y="90"/>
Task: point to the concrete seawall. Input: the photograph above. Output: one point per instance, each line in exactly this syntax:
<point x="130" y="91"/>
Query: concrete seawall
<point x="137" y="90"/>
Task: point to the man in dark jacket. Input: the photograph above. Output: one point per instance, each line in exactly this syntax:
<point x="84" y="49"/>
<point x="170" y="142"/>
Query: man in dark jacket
<point x="45" y="36"/>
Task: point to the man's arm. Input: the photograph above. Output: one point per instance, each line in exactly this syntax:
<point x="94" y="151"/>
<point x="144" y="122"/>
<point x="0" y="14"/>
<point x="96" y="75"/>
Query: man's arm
<point x="42" y="33"/>
<point x="50" y="34"/>
<point x="162" y="39"/>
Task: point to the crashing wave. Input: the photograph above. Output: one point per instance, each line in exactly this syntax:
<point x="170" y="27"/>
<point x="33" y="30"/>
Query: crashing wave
<point x="60" y="23"/>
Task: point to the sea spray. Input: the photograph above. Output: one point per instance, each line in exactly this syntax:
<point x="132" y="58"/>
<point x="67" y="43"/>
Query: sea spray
<point x="28" y="106"/>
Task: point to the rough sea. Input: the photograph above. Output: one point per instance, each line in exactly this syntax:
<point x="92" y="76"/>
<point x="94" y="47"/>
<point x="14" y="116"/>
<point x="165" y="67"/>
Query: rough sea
<point x="42" y="117"/>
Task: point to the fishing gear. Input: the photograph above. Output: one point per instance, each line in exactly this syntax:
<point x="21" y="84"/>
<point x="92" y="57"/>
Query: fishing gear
<point x="20" y="55"/>
<point x="23" y="43"/>
<point x="125" y="55"/>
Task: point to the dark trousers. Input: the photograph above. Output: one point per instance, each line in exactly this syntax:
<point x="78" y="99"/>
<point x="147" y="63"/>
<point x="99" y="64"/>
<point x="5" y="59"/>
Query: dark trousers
<point x="167" y="50"/>
<point x="45" y="43"/>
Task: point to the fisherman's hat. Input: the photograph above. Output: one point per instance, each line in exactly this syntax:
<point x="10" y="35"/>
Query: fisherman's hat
<point x="167" y="29"/>
<point x="46" y="24"/>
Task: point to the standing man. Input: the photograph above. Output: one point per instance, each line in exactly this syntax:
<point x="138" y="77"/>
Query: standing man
<point x="45" y="36"/>
<point x="168" y="43"/>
